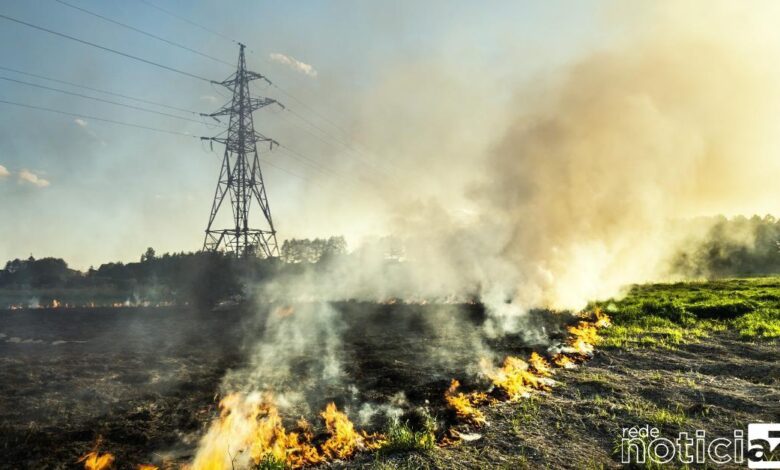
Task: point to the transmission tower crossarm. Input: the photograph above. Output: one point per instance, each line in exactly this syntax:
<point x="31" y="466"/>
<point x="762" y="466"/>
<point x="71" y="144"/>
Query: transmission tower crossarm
<point x="235" y="79"/>
<point x="254" y="105"/>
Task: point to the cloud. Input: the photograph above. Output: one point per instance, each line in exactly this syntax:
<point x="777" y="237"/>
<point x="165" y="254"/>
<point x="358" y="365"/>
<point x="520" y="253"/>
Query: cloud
<point x="209" y="98"/>
<point x="4" y="171"/>
<point x="84" y="125"/>
<point x="26" y="176"/>
<point x="294" y="63"/>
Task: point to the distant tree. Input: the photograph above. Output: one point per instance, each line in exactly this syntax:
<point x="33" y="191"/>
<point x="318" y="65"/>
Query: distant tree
<point x="148" y="255"/>
<point x="312" y="251"/>
<point x="334" y="247"/>
<point x="45" y="272"/>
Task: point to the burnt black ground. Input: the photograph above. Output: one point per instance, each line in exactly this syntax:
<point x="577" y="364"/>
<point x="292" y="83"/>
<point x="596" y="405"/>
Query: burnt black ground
<point x="139" y="378"/>
<point x="145" y="380"/>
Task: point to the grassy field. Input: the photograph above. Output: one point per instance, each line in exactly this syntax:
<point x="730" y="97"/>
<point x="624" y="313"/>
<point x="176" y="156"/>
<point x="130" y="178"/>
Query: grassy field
<point x="666" y="315"/>
<point x="679" y="357"/>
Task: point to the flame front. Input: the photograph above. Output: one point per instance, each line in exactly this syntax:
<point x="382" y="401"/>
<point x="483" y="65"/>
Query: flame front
<point x="249" y="430"/>
<point x="582" y="337"/>
<point x="344" y="440"/>
<point x="515" y="378"/>
<point x="602" y="319"/>
<point x="539" y="365"/>
<point x="465" y="405"/>
<point x="96" y="461"/>
<point x="563" y="361"/>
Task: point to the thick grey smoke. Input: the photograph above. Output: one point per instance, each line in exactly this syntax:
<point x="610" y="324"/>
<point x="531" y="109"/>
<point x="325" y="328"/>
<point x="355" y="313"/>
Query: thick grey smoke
<point x="575" y="194"/>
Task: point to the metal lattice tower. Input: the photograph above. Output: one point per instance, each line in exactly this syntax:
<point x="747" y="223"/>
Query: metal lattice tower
<point x="240" y="176"/>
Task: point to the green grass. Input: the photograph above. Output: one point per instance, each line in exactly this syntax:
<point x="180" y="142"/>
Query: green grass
<point x="269" y="462"/>
<point x="525" y="414"/>
<point x="667" y="315"/>
<point x="402" y="438"/>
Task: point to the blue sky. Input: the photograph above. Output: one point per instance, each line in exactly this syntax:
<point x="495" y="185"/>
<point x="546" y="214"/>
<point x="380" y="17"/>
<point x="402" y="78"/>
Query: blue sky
<point x="93" y="192"/>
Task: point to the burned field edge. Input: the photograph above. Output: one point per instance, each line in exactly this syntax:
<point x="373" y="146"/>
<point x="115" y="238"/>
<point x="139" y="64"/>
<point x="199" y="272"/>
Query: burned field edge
<point x="679" y="356"/>
<point x="147" y="381"/>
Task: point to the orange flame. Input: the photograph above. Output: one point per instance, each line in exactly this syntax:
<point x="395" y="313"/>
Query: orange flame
<point x="250" y="430"/>
<point x="514" y="378"/>
<point x="465" y="405"/>
<point x="147" y="467"/>
<point x="344" y="440"/>
<point x="602" y="319"/>
<point x="97" y="461"/>
<point x="563" y="361"/>
<point x="582" y="337"/>
<point x="539" y="365"/>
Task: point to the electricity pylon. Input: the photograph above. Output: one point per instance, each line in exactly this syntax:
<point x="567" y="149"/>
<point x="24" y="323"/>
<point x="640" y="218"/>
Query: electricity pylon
<point x="240" y="176"/>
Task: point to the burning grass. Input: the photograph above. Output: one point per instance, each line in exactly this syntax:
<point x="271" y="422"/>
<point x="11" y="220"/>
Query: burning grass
<point x="518" y="379"/>
<point x="249" y="431"/>
<point x="94" y="460"/>
<point x="465" y="405"/>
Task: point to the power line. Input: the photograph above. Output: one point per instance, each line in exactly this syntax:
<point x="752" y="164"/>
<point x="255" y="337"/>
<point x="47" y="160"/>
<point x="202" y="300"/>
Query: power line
<point x="145" y="33"/>
<point x="98" y="90"/>
<point x="192" y="23"/>
<point x="313" y="134"/>
<point x="138" y="108"/>
<point x="282" y="90"/>
<point x="295" y="154"/>
<point x="95" y="118"/>
<point x="361" y="158"/>
<point x="129" y="124"/>
<point x="315" y="164"/>
<point x="108" y="49"/>
<point x="310" y="108"/>
<point x="310" y="161"/>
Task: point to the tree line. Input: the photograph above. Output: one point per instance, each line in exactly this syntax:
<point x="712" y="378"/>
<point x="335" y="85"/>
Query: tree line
<point x="739" y="246"/>
<point x="735" y="247"/>
<point x="199" y="277"/>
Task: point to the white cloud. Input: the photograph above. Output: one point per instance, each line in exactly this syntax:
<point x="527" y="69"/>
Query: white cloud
<point x="26" y="176"/>
<point x="4" y="171"/>
<point x="81" y="122"/>
<point x="209" y="98"/>
<point x="294" y="63"/>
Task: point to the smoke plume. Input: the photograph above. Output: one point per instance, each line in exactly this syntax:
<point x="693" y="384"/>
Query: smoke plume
<point x="576" y="194"/>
